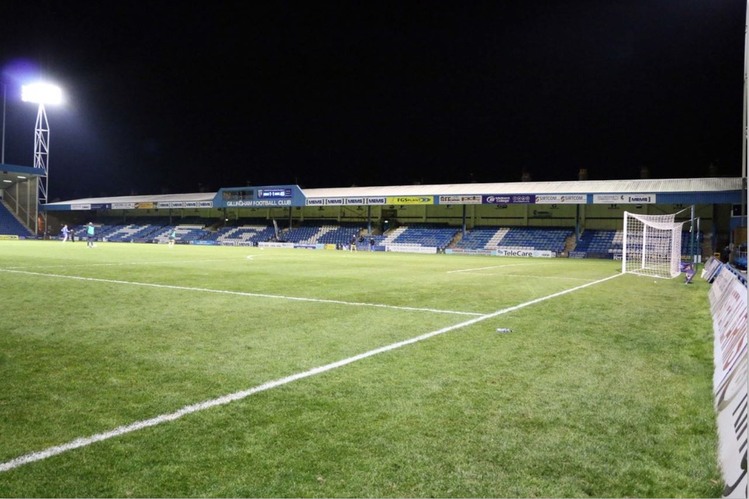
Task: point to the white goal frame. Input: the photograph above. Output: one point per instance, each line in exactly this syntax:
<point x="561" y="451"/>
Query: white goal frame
<point x="651" y="245"/>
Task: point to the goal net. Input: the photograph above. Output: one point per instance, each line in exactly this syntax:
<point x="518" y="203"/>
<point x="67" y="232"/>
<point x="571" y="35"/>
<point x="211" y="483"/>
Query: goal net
<point x="651" y="245"/>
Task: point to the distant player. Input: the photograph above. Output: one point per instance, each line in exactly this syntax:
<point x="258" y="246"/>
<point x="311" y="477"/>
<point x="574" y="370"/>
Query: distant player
<point x="172" y="237"/>
<point x="64" y="232"/>
<point x="90" y="235"/>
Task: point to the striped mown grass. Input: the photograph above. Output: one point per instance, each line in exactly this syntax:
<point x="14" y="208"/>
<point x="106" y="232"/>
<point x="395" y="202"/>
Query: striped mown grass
<point x="339" y="374"/>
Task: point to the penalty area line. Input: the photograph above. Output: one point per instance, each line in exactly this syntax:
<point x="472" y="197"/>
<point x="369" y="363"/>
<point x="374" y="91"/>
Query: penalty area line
<point x="244" y="293"/>
<point x="504" y="266"/>
<point x="233" y="397"/>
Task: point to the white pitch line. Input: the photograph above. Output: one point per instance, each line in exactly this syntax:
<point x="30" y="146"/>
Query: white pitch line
<point x="492" y="267"/>
<point x="232" y="397"/>
<point x="123" y="264"/>
<point x="561" y="278"/>
<point x="243" y="293"/>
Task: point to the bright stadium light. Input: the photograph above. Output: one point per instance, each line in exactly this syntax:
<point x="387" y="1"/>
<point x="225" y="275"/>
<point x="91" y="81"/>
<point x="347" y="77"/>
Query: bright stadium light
<point x="42" y="93"/>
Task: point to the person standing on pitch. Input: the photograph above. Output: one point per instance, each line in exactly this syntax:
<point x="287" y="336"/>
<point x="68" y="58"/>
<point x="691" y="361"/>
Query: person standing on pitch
<point x="64" y="232"/>
<point x="172" y="237"/>
<point x="689" y="273"/>
<point x="90" y="232"/>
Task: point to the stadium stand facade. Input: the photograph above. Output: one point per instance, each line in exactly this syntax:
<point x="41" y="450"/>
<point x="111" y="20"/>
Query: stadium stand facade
<point x="579" y="218"/>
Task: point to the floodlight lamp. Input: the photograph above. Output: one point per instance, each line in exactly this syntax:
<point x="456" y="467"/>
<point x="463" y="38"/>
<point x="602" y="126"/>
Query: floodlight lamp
<point x="41" y="93"/>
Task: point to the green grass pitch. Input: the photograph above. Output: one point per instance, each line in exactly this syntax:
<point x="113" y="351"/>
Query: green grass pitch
<point x="138" y="370"/>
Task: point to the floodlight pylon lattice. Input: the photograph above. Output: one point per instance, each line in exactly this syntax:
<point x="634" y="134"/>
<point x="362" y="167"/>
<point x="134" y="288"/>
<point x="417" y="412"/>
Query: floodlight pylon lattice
<point x="42" y="93"/>
<point x="41" y="151"/>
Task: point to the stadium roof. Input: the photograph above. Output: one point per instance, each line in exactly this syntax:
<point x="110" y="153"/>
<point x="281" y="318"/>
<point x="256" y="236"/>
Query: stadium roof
<point x="145" y="198"/>
<point x="14" y="174"/>
<point x="700" y="187"/>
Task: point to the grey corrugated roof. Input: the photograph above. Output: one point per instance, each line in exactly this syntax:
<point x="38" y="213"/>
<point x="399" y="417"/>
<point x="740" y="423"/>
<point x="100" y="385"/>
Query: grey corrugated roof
<point x="696" y="185"/>
<point x="713" y="184"/>
<point x="144" y="198"/>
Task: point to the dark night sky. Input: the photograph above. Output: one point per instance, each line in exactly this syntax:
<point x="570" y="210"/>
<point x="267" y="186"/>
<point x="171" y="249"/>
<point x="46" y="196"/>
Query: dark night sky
<point x="166" y="97"/>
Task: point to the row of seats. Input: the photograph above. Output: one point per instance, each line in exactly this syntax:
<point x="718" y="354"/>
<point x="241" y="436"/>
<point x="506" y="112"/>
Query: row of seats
<point x="601" y="243"/>
<point x="427" y="235"/>
<point x="10" y="225"/>
<point x="606" y="243"/>
<point x="323" y="234"/>
<point x="248" y="235"/>
<point x="490" y="238"/>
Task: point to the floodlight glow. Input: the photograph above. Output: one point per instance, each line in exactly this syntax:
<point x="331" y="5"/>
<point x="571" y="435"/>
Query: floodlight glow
<point x="41" y="93"/>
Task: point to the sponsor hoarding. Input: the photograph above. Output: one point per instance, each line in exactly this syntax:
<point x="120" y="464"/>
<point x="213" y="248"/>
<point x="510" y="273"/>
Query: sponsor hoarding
<point x="623" y="198"/>
<point x="345" y="201"/>
<point x="474" y="199"/>
<point x="123" y="206"/>
<point x="410" y="200"/>
<point x="509" y="199"/>
<point x="561" y="198"/>
<point x="728" y="296"/>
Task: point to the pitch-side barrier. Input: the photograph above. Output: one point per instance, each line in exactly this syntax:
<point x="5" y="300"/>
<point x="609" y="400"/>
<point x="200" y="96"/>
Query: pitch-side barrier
<point x="728" y="305"/>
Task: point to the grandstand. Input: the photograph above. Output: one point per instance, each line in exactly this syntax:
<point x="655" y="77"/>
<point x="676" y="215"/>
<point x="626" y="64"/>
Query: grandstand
<point x="10" y="225"/>
<point x="128" y="233"/>
<point x="245" y="235"/>
<point x="608" y="244"/>
<point x="420" y="235"/>
<point x="537" y="239"/>
<point x="533" y="217"/>
<point x="593" y="243"/>
<point x="599" y="244"/>
<point x="314" y="233"/>
<point x="482" y="238"/>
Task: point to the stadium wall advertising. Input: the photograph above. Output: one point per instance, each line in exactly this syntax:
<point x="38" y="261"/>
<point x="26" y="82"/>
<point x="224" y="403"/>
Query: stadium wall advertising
<point x="374" y="201"/>
<point x="624" y="198"/>
<point x="473" y="199"/>
<point x="410" y="200"/>
<point x="528" y="252"/>
<point x="524" y="253"/>
<point x="508" y="199"/>
<point x="728" y="295"/>
<point x="561" y="198"/>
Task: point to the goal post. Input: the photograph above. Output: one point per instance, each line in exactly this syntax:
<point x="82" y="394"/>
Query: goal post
<point x="651" y="245"/>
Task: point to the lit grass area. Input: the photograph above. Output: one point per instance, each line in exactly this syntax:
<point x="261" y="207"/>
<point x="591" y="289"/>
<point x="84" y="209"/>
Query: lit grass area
<point x="601" y="390"/>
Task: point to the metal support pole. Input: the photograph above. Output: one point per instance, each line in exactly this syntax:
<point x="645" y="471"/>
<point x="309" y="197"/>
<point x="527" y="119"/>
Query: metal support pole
<point x="5" y="99"/>
<point x="692" y="235"/>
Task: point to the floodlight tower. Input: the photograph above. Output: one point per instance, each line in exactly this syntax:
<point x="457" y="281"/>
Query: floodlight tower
<point x="42" y="94"/>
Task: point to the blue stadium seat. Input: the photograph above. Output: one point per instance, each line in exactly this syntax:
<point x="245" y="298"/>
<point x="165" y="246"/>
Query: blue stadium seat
<point x="9" y="224"/>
